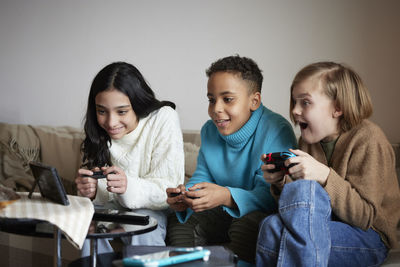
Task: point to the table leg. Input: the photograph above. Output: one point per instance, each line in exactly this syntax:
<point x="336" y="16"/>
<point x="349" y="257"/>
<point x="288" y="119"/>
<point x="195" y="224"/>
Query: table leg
<point x="93" y="254"/>
<point x="57" y="247"/>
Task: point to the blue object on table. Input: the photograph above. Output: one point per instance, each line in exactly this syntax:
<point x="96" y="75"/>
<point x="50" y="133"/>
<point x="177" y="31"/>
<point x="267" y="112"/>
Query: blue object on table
<point x="167" y="257"/>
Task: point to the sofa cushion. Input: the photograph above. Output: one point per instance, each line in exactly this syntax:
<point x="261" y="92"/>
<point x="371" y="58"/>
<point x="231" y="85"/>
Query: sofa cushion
<point x="191" y="136"/>
<point x="18" y="146"/>
<point x="60" y="148"/>
<point x="191" y="151"/>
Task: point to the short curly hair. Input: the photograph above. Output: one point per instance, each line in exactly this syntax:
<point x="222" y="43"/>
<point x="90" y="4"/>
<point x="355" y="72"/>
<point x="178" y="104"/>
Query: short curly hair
<point x="245" y="67"/>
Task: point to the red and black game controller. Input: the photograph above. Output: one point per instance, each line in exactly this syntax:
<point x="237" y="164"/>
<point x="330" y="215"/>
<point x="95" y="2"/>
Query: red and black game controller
<point x="278" y="159"/>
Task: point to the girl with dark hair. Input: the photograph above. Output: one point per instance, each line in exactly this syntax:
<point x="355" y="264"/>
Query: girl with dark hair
<point x="135" y="140"/>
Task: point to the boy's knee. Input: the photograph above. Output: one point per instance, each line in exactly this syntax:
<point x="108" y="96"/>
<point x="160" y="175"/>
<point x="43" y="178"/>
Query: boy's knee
<point x="243" y="235"/>
<point x="247" y="224"/>
<point x="181" y="234"/>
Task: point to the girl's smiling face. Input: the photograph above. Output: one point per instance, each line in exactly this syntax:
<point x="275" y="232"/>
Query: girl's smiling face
<point x="115" y="114"/>
<point x="315" y="112"/>
<point x="230" y="101"/>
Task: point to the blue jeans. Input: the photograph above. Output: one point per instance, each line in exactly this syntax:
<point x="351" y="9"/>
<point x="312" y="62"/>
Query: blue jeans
<point x="304" y="234"/>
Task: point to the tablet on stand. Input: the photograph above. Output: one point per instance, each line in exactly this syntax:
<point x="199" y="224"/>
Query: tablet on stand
<point x="50" y="186"/>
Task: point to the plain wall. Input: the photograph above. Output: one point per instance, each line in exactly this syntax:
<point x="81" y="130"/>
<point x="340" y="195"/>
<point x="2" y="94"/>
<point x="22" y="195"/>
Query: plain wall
<point x="50" y="51"/>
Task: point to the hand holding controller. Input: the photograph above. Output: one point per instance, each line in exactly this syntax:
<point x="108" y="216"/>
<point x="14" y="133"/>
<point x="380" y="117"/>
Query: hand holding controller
<point x="177" y="194"/>
<point x="278" y="159"/>
<point x="98" y="175"/>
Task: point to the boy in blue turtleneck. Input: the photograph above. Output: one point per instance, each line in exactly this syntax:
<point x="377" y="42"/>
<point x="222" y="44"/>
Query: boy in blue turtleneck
<point x="227" y="196"/>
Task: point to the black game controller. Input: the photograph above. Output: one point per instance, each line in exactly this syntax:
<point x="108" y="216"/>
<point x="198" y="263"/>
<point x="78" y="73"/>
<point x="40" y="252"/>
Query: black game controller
<point x="97" y="175"/>
<point x="177" y="194"/>
<point x="278" y="159"/>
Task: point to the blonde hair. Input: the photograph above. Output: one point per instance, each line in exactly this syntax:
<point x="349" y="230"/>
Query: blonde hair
<point x="344" y="86"/>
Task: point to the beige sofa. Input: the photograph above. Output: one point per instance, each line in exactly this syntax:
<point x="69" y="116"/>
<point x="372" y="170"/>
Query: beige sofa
<point x="60" y="147"/>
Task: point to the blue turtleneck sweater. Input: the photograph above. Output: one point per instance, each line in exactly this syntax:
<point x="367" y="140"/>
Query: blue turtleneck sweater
<point x="234" y="161"/>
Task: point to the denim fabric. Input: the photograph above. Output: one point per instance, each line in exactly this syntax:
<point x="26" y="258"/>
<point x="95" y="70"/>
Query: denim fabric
<point x="303" y="233"/>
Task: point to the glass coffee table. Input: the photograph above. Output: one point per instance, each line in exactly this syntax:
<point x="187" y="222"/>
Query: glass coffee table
<point x="97" y="230"/>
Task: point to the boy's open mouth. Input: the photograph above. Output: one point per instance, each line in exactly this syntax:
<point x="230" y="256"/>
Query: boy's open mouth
<point x="303" y="125"/>
<point x="221" y="123"/>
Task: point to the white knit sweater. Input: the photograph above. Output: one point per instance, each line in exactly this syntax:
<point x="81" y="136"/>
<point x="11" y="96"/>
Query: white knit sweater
<point x="153" y="160"/>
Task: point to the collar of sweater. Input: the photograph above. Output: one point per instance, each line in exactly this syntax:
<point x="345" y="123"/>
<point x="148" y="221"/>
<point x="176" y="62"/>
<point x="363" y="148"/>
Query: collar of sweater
<point x="241" y="136"/>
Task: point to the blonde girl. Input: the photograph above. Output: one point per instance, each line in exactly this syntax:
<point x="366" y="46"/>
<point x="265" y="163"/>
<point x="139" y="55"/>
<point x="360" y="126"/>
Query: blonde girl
<point x="340" y="204"/>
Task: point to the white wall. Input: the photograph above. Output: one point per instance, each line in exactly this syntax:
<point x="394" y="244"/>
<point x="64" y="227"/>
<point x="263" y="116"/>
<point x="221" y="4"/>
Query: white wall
<point x="50" y="50"/>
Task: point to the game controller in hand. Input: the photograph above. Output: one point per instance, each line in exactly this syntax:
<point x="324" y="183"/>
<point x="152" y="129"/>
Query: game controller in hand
<point x="177" y="194"/>
<point x="98" y="175"/>
<point x="278" y="159"/>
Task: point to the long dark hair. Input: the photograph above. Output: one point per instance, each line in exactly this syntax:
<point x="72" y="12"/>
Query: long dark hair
<point x="128" y="80"/>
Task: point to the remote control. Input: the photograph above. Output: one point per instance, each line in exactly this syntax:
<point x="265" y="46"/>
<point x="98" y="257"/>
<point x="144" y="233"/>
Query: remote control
<point x="116" y="216"/>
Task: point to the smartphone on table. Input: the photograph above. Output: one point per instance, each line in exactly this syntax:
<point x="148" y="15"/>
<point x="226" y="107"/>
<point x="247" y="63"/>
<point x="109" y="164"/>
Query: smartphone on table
<point x="168" y="257"/>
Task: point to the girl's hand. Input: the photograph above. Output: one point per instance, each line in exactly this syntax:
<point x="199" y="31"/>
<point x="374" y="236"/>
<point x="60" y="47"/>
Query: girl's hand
<point x="176" y="202"/>
<point x="86" y="186"/>
<point x="116" y="179"/>
<point x="204" y="196"/>
<point x="276" y="178"/>
<point x="307" y="168"/>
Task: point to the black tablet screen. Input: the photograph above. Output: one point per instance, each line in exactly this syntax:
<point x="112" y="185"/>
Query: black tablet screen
<point x="49" y="183"/>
